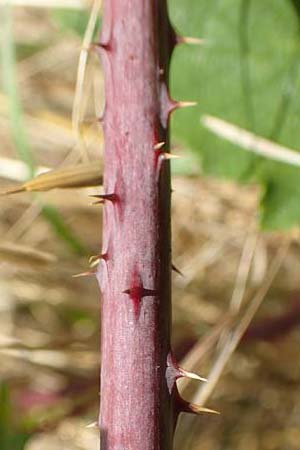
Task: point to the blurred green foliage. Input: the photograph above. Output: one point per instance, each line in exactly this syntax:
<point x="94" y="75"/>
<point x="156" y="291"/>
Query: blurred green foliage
<point x="10" y="438"/>
<point x="247" y="73"/>
<point x="72" y="20"/>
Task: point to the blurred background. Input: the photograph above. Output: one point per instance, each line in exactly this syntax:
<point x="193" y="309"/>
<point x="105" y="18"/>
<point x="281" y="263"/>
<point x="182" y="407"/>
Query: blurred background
<point x="235" y="213"/>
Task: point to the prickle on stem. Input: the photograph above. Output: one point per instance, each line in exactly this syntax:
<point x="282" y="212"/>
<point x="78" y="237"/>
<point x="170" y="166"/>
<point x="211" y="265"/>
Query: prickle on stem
<point x="174" y="372"/>
<point x="183" y="406"/>
<point x="136" y="293"/>
<point x="175" y="269"/>
<point x="189" y="40"/>
<point x="104" y="197"/>
<point x="168" y="105"/>
<point x="95" y="259"/>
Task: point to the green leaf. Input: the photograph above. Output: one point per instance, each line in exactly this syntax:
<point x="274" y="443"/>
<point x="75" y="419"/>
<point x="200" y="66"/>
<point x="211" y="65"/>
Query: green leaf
<point x="280" y="200"/>
<point x="247" y="73"/>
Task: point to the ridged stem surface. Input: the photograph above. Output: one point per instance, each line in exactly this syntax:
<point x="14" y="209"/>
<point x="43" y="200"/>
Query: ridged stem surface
<point x="136" y="411"/>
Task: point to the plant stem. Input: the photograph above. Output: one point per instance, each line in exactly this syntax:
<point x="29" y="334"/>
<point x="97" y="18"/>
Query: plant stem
<point x="136" y="411"/>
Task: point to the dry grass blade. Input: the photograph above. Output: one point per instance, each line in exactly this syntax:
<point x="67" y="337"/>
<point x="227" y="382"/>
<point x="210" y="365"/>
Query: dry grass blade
<point x="201" y="395"/>
<point x="7" y="341"/>
<point x="82" y="175"/>
<point x="204" y="346"/>
<point x="79" y="360"/>
<point x="83" y="58"/>
<point x="72" y="4"/>
<point x="194" y="357"/>
<point x="24" y="255"/>
<point x="251" y="142"/>
<point x="24" y="222"/>
<point x="243" y="272"/>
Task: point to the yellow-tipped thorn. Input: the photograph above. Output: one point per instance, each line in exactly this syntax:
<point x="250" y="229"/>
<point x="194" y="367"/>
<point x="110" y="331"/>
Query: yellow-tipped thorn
<point x="196" y="409"/>
<point x="166" y="155"/>
<point x="186" y="104"/>
<point x="194" y="376"/>
<point x="159" y="145"/>
<point x="93" y="262"/>
<point x="95" y="259"/>
<point x="190" y="40"/>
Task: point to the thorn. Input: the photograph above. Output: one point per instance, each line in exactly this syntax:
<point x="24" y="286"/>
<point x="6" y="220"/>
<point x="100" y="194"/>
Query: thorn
<point x="163" y="156"/>
<point x="89" y="273"/>
<point x="174" y="268"/>
<point x="190" y="40"/>
<point x="192" y="408"/>
<point x="185" y="104"/>
<point x="166" y="155"/>
<point x="92" y="425"/>
<point x="94" y="263"/>
<point x="169" y="105"/>
<point x="182" y="405"/>
<point x="159" y="145"/>
<point x="139" y="292"/>
<point x="173" y="372"/>
<point x="97" y="203"/>
<point x="101" y="46"/>
<point x="110" y="197"/>
<point x="95" y="259"/>
<point x="191" y="375"/>
<point x="136" y="294"/>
